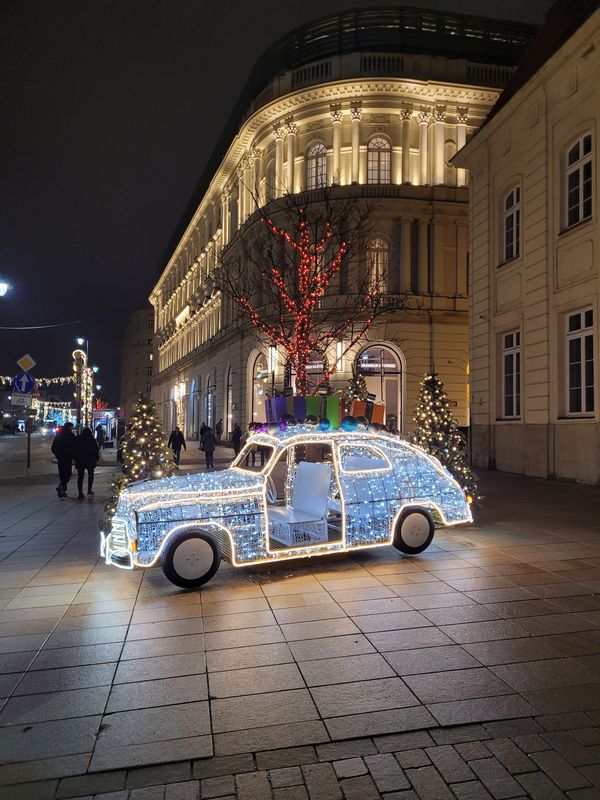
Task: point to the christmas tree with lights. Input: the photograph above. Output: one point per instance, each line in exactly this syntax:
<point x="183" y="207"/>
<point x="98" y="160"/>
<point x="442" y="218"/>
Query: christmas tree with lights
<point x="145" y="454"/>
<point x="437" y="433"/>
<point x="356" y="389"/>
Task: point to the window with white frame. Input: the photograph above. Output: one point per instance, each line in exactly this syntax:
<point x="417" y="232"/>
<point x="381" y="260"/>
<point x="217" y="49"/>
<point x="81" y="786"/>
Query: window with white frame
<point x="511" y="375"/>
<point x="377" y="264"/>
<point x="316" y="167"/>
<point x="379" y="159"/>
<point x="578" y="180"/>
<point x="580" y="361"/>
<point x="511" y="225"/>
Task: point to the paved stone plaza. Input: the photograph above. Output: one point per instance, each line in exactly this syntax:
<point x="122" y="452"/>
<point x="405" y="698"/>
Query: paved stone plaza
<point x="469" y="672"/>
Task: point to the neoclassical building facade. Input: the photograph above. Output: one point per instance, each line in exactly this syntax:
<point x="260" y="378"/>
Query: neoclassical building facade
<point x="535" y="276"/>
<point x="375" y="104"/>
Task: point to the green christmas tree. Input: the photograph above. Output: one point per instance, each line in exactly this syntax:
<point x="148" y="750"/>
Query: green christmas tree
<point x="145" y="454"/>
<point x="356" y="389"/>
<point x="437" y="433"/>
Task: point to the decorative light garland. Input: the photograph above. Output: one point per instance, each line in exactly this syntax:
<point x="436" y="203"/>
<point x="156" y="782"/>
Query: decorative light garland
<point x="62" y="380"/>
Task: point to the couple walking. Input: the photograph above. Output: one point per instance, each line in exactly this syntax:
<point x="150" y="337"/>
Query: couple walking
<point x="82" y="449"/>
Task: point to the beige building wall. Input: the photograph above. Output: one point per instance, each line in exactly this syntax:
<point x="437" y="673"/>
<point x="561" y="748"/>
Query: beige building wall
<point x="137" y="358"/>
<point x="555" y="274"/>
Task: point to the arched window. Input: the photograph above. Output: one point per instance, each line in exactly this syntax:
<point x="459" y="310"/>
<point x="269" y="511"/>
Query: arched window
<point x="379" y="158"/>
<point x="377" y="264"/>
<point x="316" y="167"/>
<point x="381" y="367"/>
<point x="578" y="180"/>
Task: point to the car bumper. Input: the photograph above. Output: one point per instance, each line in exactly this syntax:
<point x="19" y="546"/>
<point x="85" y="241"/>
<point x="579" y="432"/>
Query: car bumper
<point x="115" y="546"/>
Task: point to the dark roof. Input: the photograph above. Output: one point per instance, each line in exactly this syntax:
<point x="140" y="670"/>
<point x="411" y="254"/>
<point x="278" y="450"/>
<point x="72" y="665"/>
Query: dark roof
<point x="403" y="29"/>
<point x="562" y="20"/>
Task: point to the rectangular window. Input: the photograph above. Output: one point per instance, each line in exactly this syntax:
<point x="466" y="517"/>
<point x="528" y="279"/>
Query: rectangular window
<point x="578" y="181"/>
<point x="580" y="362"/>
<point x="511" y="375"/>
<point x="512" y="225"/>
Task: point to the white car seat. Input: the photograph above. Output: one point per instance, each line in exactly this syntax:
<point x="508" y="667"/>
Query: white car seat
<point x="306" y="520"/>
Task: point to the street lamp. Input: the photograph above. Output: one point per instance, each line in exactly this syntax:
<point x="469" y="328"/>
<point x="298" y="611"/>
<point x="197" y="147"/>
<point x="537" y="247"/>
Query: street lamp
<point x="98" y="387"/>
<point x="4" y="287"/>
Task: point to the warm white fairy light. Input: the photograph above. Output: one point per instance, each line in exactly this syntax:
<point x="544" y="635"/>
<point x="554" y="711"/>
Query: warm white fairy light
<point x="231" y="505"/>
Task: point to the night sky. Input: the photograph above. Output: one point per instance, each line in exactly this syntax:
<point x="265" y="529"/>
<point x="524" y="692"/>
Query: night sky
<point x="110" y="110"/>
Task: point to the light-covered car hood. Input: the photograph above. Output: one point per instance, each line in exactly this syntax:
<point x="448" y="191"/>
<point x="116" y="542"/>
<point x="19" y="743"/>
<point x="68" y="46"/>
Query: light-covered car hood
<point x="201" y="485"/>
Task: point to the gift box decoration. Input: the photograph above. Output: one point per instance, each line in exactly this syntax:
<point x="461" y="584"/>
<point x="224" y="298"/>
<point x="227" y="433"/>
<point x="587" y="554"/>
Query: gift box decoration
<point x="333" y="410"/>
<point x="374" y="412"/>
<point x="313" y="406"/>
<point x="296" y="406"/>
<point x="276" y="409"/>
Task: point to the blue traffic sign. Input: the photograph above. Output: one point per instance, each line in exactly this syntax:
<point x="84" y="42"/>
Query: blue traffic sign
<point x="23" y="383"/>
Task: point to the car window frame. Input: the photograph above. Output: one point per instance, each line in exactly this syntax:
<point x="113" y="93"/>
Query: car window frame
<point x="379" y="471"/>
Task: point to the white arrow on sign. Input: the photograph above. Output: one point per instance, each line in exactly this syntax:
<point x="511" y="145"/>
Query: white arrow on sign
<point x="24" y="383"/>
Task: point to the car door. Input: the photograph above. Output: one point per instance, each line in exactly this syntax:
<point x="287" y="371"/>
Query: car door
<point x="368" y="494"/>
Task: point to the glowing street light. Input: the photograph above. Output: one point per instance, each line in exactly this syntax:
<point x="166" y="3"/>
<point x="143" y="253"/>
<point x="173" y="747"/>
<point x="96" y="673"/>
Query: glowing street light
<point x="4" y="287"/>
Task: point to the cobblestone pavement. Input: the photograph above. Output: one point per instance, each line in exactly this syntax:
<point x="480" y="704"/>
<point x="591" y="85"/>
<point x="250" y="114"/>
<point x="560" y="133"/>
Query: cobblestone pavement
<point x="472" y="671"/>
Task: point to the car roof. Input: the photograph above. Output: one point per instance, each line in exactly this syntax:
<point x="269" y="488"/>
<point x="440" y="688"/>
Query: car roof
<point x="301" y="434"/>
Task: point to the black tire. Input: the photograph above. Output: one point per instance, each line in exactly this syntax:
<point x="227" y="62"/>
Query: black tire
<point x="414" y="531"/>
<point x="191" y="549"/>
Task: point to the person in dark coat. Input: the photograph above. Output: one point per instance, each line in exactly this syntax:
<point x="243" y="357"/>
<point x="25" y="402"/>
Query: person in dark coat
<point x="201" y="435"/>
<point x="63" y="448"/>
<point x="219" y="431"/>
<point x="210" y="443"/>
<point x="176" y="442"/>
<point x="236" y="438"/>
<point x="87" y="454"/>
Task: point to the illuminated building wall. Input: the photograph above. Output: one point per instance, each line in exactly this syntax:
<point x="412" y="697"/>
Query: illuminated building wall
<point x="535" y="274"/>
<point x="137" y="358"/>
<point x="377" y="102"/>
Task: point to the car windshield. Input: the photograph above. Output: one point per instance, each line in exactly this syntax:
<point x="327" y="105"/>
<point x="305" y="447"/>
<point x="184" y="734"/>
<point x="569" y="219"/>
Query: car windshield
<point x="253" y="457"/>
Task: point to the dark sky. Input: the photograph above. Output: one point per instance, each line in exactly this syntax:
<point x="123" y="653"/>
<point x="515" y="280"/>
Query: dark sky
<point x="110" y="110"/>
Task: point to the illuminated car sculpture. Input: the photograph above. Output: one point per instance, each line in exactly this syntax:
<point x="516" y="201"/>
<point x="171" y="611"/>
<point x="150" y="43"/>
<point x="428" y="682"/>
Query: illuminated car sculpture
<point x="340" y="491"/>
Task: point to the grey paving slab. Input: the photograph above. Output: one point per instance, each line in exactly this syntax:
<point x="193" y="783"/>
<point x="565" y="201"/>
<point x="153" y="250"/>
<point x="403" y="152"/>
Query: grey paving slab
<point x="239" y="713"/>
<point x="146" y="669"/>
<point x="41" y="740"/>
<point x="430" y="659"/>
<point x="153" y="693"/>
<point x="362" y="696"/>
<point x="350" y="668"/>
<point x="255" y="680"/>
<point x="54" y="705"/>
<point x="245" y="657"/>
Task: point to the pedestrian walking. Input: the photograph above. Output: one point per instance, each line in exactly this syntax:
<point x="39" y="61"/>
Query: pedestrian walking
<point x="219" y="431"/>
<point x="201" y="434"/>
<point x="87" y="455"/>
<point x="210" y="443"/>
<point x="236" y="438"/>
<point x="63" y="448"/>
<point x="176" y="442"/>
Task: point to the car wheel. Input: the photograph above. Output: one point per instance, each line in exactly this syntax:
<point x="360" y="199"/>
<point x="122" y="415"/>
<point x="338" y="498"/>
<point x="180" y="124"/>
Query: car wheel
<point x="414" y="531"/>
<point x="191" y="559"/>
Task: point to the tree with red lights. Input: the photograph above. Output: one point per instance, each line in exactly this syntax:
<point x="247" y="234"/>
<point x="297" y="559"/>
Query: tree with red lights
<point x="298" y="273"/>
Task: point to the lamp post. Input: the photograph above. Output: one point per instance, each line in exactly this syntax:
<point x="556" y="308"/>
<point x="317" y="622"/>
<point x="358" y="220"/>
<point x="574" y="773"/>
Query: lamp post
<point x="4" y="287"/>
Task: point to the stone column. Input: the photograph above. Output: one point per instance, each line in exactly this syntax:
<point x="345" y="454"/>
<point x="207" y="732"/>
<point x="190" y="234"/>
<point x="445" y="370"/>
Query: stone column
<point x="279" y="134"/>
<point x="405" y="255"/>
<point x="406" y="114"/>
<point x="336" y="122"/>
<point x="423" y="258"/>
<point x="461" y="138"/>
<point x="291" y="130"/>
<point x="225" y="195"/>
<point x="356" y="113"/>
<point x="439" y="129"/>
<point x="438" y="277"/>
<point x="423" y="116"/>
<point x="255" y="155"/>
<point x="241" y="173"/>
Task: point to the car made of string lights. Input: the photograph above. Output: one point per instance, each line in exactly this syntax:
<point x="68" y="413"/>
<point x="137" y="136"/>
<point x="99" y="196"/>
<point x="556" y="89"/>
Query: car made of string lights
<point x="315" y="492"/>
